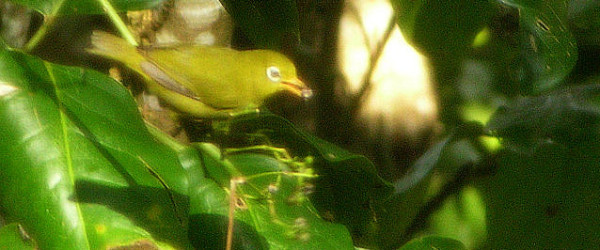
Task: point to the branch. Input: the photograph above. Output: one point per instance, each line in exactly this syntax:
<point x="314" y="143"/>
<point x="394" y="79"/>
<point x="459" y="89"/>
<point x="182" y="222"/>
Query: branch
<point x="464" y="176"/>
<point x="49" y="21"/>
<point x="358" y="98"/>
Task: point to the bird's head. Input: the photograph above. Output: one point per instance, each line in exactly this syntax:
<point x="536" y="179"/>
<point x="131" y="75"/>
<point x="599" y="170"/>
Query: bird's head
<point x="279" y="74"/>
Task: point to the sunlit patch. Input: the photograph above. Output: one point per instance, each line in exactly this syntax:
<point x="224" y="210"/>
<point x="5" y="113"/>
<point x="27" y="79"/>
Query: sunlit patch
<point x="482" y="37"/>
<point x="54" y="180"/>
<point x="6" y="89"/>
<point x="477" y="112"/>
<point x="463" y="218"/>
<point x="491" y="143"/>
<point x="154" y="212"/>
<point x="100" y="228"/>
<point x="401" y="98"/>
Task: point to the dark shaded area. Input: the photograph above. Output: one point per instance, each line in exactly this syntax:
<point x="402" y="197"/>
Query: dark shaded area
<point x="134" y="201"/>
<point x="209" y="231"/>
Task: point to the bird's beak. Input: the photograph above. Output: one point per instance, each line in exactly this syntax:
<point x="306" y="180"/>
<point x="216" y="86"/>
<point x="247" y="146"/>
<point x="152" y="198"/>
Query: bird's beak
<point x="297" y="87"/>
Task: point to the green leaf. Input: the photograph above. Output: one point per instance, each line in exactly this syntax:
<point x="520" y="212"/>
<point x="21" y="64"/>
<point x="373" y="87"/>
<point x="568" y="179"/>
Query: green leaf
<point x="545" y="199"/>
<point x="78" y="161"/>
<point x="265" y="23"/>
<point x="433" y="243"/>
<point x="444" y="29"/>
<point x="397" y="213"/>
<point x="565" y="116"/>
<point x="272" y="211"/>
<point x="430" y="159"/>
<point x="462" y="217"/>
<point x="585" y="21"/>
<point x="13" y="236"/>
<point x="548" y="49"/>
<point x="348" y="185"/>
<point x="71" y="7"/>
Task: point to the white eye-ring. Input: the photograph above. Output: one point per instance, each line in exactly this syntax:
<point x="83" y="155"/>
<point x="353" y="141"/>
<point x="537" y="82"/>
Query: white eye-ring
<point x="274" y="74"/>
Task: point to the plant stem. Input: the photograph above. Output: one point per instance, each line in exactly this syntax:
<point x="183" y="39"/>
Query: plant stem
<point x="213" y="152"/>
<point x="49" y="21"/>
<point x="119" y="24"/>
<point x="464" y="176"/>
<point x="164" y="138"/>
<point x="373" y="60"/>
<point x="233" y="183"/>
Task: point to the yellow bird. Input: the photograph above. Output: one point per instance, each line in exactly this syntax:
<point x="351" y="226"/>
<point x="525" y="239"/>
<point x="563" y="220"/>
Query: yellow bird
<point x="205" y="82"/>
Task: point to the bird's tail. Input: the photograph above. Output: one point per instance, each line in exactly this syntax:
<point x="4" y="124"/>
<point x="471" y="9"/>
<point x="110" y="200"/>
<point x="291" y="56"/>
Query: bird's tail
<point x="113" y="47"/>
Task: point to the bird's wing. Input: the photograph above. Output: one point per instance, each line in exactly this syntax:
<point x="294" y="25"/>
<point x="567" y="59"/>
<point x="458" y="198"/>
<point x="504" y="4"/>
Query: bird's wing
<point x="205" y="74"/>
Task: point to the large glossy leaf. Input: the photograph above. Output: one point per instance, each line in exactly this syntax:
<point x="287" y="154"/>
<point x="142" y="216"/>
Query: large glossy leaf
<point x="431" y="159"/>
<point x="266" y="23"/>
<point x="271" y="212"/>
<point x="545" y="191"/>
<point x="13" y="236"/>
<point x="565" y="116"/>
<point x="546" y="199"/>
<point x="348" y="185"/>
<point x="78" y="161"/>
<point x="585" y="21"/>
<point x="443" y="29"/>
<point x="69" y="7"/>
<point x="548" y="50"/>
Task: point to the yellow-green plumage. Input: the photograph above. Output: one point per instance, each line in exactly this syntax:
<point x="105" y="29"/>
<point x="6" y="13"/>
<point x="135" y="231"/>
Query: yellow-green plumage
<point x="205" y="82"/>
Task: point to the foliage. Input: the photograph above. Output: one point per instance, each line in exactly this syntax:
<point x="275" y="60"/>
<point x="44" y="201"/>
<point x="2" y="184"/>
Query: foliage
<point x="64" y="7"/>
<point x="267" y="24"/>
<point x="433" y="242"/>
<point x="78" y="159"/>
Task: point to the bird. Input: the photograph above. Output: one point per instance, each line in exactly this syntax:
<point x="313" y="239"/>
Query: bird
<point x="205" y="82"/>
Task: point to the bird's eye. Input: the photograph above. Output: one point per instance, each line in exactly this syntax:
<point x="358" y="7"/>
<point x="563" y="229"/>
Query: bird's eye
<point x="274" y="74"/>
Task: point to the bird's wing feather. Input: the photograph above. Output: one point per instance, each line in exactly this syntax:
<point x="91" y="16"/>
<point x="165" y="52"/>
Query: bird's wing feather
<point x="214" y="81"/>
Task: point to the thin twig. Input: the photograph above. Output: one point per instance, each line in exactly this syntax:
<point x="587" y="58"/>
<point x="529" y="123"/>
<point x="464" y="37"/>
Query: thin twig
<point x="49" y="21"/>
<point x="356" y="15"/>
<point x="464" y="176"/>
<point x="214" y="153"/>
<point x="233" y="183"/>
<point x="366" y="81"/>
<point x="119" y="24"/>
